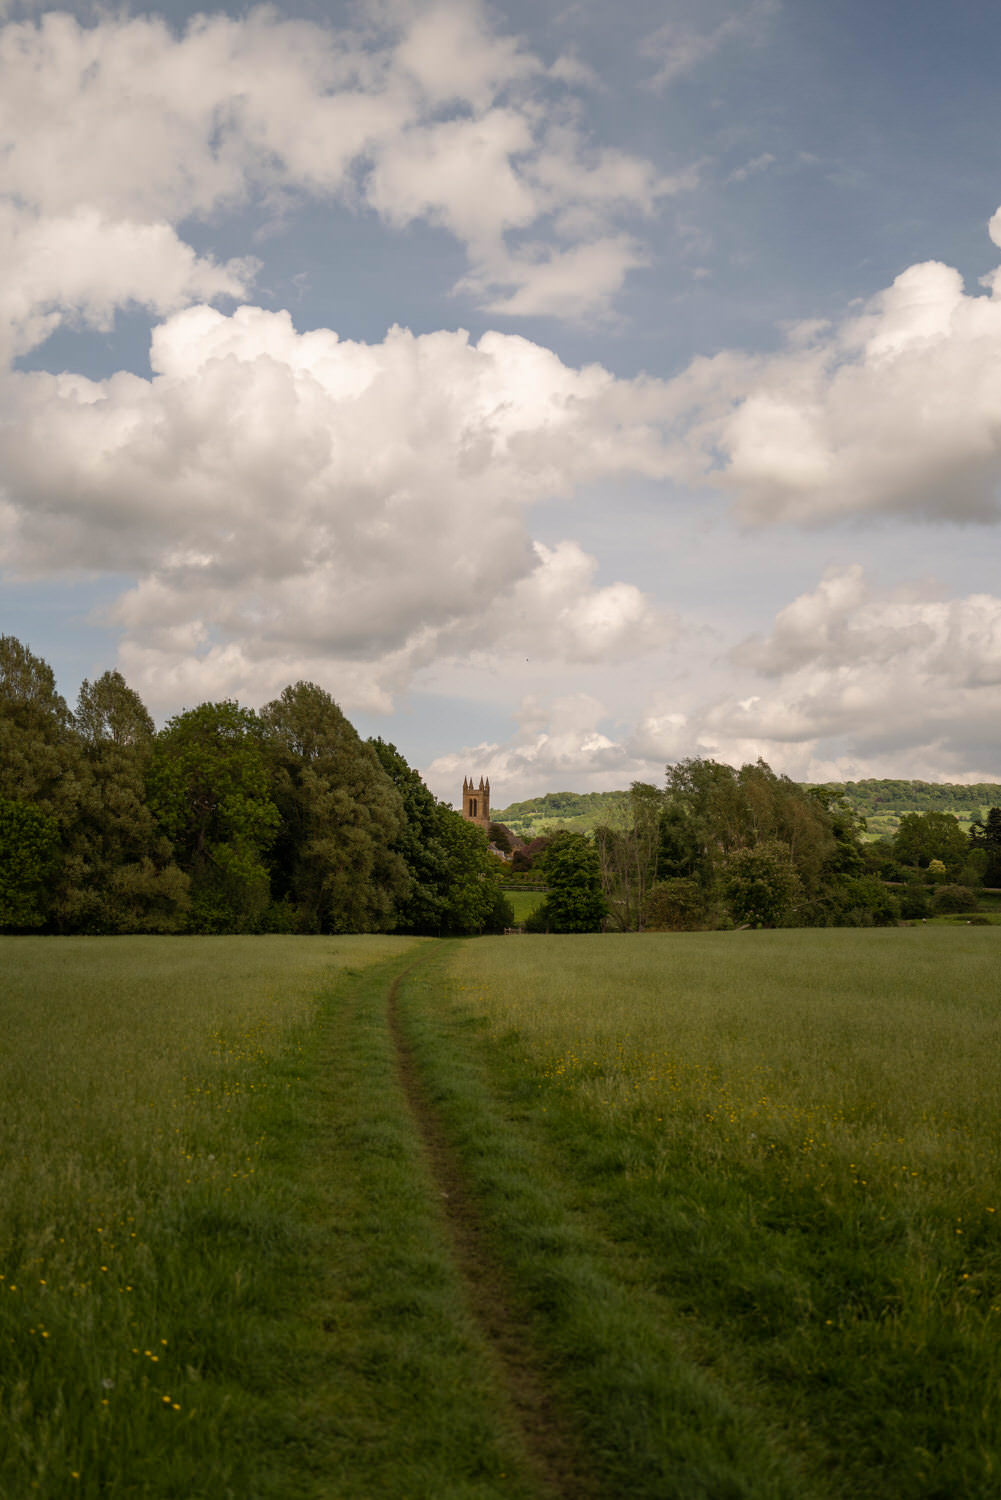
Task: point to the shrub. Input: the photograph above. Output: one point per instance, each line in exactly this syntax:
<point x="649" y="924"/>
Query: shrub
<point x="956" y="898"/>
<point x="676" y="905"/>
<point x="760" y="884"/>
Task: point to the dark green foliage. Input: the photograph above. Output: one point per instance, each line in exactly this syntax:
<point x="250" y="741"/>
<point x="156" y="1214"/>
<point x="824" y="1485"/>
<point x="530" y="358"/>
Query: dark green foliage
<point x="675" y="905"/>
<point x="225" y="821"/>
<point x="135" y="884"/>
<point x="109" y="712"/>
<point x="953" y="898"/>
<point x="986" y="837"/>
<point x="454" y="888"/>
<point x="41" y="762"/>
<point x="915" y="901"/>
<point x="760" y="885"/>
<point x="574" y="902"/>
<point x="210" y="793"/>
<point x="499" y="837"/>
<point x="855" y="901"/>
<point x="879" y="859"/>
<point x="29" y="841"/>
<point x="340" y="817"/>
<point x="922" y="837"/>
<point x="713" y="810"/>
<point x="765" y="849"/>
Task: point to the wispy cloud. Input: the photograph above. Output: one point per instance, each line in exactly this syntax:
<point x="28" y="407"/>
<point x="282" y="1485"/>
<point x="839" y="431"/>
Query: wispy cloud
<point x="677" y="48"/>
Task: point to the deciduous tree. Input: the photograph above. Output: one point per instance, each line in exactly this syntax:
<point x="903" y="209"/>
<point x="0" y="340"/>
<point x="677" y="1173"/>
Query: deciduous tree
<point x="210" y="793"/>
<point x="341" y="816"/>
<point x="575" y="901"/>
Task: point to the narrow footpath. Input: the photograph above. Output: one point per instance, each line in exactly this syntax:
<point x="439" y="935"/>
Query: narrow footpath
<point x="552" y="1450"/>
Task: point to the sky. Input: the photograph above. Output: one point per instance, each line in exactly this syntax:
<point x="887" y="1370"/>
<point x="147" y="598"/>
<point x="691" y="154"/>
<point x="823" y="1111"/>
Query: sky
<point x="567" y="388"/>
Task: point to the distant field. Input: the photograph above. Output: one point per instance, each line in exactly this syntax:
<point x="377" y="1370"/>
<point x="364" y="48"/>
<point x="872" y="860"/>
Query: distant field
<point x="523" y="903"/>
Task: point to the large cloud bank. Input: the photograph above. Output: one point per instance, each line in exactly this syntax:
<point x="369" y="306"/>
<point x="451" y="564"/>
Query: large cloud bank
<point x="305" y="500"/>
<point x="850" y="682"/>
<point x="896" y="411"/>
<point x="287" y="503"/>
<point x="423" y="113"/>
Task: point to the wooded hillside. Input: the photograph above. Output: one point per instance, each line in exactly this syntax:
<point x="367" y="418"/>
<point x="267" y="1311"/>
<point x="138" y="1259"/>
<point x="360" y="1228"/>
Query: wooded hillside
<point x="881" y="803"/>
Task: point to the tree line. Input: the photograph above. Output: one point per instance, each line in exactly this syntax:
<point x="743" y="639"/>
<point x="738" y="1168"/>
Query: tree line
<point x="721" y="847"/>
<point x="225" y="820"/>
<point x="582" y="812"/>
<point x="870" y="798"/>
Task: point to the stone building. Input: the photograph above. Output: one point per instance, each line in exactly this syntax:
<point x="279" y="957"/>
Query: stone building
<point x="476" y="802"/>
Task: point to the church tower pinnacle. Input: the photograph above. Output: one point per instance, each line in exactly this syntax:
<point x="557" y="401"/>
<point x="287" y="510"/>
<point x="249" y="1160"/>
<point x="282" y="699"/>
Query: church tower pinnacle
<point x="476" y="802"/>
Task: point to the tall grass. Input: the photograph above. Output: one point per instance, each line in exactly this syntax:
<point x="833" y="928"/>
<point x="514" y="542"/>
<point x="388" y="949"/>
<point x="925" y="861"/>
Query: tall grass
<point x="800" y="1135"/>
<point x="142" y="1248"/>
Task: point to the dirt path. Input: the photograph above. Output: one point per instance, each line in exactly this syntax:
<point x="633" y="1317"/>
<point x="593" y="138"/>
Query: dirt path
<point x="549" y="1443"/>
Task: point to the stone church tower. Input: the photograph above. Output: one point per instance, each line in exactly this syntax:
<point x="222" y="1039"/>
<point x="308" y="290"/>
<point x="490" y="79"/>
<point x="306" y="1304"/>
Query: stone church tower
<point x="476" y="803"/>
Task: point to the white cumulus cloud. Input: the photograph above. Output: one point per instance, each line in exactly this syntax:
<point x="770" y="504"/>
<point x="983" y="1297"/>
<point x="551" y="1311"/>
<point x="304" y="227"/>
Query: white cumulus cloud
<point x="851" y="682"/>
<point x="895" y="411"/>
<point x="423" y="113"/>
<point x="285" y="498"/>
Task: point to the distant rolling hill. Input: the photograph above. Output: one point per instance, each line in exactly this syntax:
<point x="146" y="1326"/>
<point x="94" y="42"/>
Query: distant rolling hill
<point x="881" y="803"/>
<point x="579" y="811"/>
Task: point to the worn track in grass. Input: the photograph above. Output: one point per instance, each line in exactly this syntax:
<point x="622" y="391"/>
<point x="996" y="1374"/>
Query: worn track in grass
<point x="550" y="1444"/>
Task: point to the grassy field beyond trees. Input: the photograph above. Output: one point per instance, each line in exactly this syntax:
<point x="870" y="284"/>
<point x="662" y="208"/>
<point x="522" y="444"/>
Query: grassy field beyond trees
<point x="677" y="1216"/>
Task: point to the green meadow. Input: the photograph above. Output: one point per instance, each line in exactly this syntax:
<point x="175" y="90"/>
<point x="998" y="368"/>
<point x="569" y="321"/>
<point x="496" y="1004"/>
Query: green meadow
<point x="685" y="1216"/>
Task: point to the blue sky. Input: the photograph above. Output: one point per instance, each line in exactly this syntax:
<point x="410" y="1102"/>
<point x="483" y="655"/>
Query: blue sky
<point x="567" y="388"/>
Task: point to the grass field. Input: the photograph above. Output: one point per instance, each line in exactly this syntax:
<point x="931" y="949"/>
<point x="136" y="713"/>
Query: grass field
<point x="523" y="903"/>
<point x="797" y="1137"/>
<point x="149" y="1233"/>
<point x="685" y="1217"/>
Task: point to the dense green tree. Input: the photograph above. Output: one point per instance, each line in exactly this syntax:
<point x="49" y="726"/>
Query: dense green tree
<point x="985" y="836"/>
<point x="712" y="812"/>
<point x="677" y="904"/>
<point x="499" y="837"/>
<point x="922" y="837"/>
<point x="574" y="901"/>
<point x="476" y="903"/>
<point x="136" y="883"/>
<point x="454" y="884"/>
<point x="760" y="885"/>
<point x="29" y="846"/>
<point x="879" y="859"/>
<point x="915" y="899"/>
<point x="953" y="898"/>
<point x="109" y="712"/>
<point x="628" y="856"/>
<point x="854" y="901"/>
<point x="335" y="860"/>
<point x="42" y="763"/>
<point x="209" y="791"/>
<point x="974" y="871"/>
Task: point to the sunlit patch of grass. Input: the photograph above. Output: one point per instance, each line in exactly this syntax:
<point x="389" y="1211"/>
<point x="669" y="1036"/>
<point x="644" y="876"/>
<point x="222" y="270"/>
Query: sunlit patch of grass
<point x="523" y="903"/>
